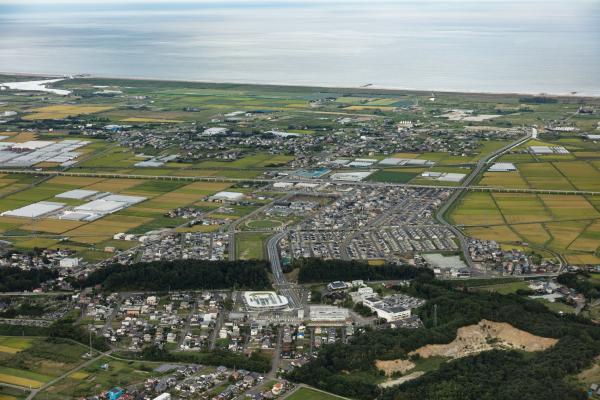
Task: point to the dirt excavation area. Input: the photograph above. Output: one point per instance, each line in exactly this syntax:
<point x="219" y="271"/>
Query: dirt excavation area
<point x="391" y="366"/>
<point x="472" y="339"/>
<point x="486" y="335"/>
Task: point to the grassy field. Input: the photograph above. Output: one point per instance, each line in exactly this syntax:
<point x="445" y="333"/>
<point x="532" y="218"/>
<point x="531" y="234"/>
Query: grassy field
<point x="304" y="393"/>
<point x="250" y="245"/>
<point x="263" y="223"/>
<point x="505" y="288"/>
<point x="392" y="175"/>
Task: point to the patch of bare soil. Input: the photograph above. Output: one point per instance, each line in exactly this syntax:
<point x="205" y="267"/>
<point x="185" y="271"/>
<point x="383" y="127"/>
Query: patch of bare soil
<point x="486" y="335"/>
<point x="391" y="366"/>
<point x="402" y="379"/>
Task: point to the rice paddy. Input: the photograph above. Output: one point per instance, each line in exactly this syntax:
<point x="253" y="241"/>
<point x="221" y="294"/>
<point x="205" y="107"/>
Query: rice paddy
<point x="36" y="361"/>
<point x="567" y="224"/>
<point x="64" y="111"/>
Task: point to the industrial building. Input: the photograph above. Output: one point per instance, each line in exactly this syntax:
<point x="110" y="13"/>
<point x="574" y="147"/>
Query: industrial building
<point x="34" y="152"/>
<point x="77" y="194"/>
<point x="502" y="167"/>
<point x="443" y="176"/>
<point x="34" y="210"/>
<point x="548" y="150"/>
<point x="351" y="176"/>
<point x="106" y="204"/>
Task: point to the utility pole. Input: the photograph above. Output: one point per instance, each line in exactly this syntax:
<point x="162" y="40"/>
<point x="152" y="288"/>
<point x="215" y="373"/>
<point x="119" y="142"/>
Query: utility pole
<point x="90" y="332"/>
<point x="435" y="315"/>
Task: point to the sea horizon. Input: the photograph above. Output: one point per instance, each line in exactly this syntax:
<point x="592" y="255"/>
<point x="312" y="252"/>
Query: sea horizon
<point x="493" y="46"/>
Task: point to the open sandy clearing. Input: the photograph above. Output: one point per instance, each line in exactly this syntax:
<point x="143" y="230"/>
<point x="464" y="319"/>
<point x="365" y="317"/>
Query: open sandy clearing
<point x="486" y="335"/>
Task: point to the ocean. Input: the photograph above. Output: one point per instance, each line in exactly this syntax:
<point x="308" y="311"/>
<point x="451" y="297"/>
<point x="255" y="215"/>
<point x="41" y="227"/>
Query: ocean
<point x="475" y="45"/>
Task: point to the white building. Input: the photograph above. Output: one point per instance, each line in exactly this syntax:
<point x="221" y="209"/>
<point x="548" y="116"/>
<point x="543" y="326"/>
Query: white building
<point x="227" y="196"/>
<point x="350" y="176"/>
<point x="264" y="301"/>
<point x="328" y="314"/>
<point x="70" y="262"/>
<point x="391" y="314"/>
<point x="502" y="167"/>
<point x="35" y="210"/>
<point x="214" y="131"/>
<point x="76" y="194"/>
<point x="365" y="291"/>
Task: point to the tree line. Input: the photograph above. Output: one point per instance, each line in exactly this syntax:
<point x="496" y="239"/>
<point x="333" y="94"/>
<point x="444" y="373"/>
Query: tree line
<point x="319" y="270"/>
<point x="181" y="275"/>
<point x="13" y="279"/>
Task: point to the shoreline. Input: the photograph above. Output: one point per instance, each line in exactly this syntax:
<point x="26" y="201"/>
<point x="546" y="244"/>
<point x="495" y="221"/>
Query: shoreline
<point x="373" y="87"/>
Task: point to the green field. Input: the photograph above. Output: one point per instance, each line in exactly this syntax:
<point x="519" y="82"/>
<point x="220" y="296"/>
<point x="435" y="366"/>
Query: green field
<point x="505" y="288"/>
<point x="263" y="223"/>
<point x="250" y="245"/>
<point x="393" y="176"/>
<point x="304" y="393"/>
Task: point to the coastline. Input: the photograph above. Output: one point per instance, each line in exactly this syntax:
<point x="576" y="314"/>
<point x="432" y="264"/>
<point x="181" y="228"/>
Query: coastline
<point x="372" y="87"/>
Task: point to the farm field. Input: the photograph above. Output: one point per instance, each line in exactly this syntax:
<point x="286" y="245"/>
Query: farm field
<point x="544" y="176"/>
<point x="555" y="175"/>
<point x="567" y="224"/>
<point x="476" y="209"/>
<point x="88" y="238"/>
<point x="94" y="379"/>
<point x="503" y="179"/>
<point x="63" y="111"/>
<point x="37" y="360"/>
<point x="8" y="393"/>
<point x="13" y="345"/>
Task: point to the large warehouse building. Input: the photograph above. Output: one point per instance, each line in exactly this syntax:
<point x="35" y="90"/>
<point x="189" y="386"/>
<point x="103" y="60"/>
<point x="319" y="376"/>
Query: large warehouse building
<point x="34" y="210"/>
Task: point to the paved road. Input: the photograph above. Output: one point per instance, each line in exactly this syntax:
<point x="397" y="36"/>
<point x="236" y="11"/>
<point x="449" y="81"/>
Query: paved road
<point x="113" y="314"/>
<point x="215" y="332"/>
<point x="291" y="291"/>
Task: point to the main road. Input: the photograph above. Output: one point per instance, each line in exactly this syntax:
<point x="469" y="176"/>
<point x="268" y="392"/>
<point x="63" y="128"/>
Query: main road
<point x="287" y="289"/>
